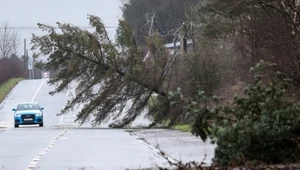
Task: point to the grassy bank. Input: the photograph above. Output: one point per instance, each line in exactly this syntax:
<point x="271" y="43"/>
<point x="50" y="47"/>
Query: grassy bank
<point x="183" y="128"/>
<point x="6" y="87"/>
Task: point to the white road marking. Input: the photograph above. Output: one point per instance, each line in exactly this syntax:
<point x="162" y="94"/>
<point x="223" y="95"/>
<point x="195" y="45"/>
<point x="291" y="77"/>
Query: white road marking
<point x="38" y="90"/>
<point x="6" y="125"/>
<point x="67" y="93"/>
<point x="36" y="159"/>
<point x="156" y="151"/>
<point x="5" y="122"/>
<point x="31" y="167"/>
<point x="42" y="153"/>
<point x="33" y="162"/>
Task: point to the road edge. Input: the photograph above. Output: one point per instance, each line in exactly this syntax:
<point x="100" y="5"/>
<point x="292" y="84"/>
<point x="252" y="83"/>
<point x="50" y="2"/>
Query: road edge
<point x="10" y="91"/>
<point x="153" y="148"/>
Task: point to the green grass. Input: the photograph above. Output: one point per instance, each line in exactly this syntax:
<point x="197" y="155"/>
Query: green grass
<point x="183" y="128"/>
<point x="180" y="127"/>
<point x="6" y="87"/>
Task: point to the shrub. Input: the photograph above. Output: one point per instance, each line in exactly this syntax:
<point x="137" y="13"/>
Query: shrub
<point x="10" y="68"/>
<point x="261" y="128"/>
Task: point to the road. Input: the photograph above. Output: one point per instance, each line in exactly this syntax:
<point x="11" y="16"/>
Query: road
<point x="59" y="144"/>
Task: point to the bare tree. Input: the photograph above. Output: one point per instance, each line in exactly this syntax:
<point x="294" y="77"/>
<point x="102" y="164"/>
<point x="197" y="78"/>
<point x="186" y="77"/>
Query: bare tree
<point x="9" y="41"/>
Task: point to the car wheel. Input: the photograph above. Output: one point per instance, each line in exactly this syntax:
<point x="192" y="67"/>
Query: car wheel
<point x="16" y="126"/>
<point x="41" y="124"/>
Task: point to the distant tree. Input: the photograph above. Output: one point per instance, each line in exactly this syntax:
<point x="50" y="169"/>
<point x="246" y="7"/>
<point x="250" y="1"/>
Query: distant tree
<point x="9" y="42"/>
<point x="169" y="16"/>
<point x="267" y="30"/>
<point x="11" y="68"/>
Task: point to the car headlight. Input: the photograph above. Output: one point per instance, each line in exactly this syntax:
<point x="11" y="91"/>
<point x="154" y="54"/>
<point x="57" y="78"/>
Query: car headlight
<point x="38" y="114"/>
<point x="17" y="115"/>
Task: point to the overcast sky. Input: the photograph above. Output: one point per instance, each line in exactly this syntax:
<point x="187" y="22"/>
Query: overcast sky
<point x="20" y="13"/>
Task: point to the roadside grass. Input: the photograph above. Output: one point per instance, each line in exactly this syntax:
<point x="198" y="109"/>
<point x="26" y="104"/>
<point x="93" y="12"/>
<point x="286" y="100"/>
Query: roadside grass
<point x="188" y="128"/>
<point x="6" y="87"/>
<point x="180" y="127"/>
<point x="183" y="128"/>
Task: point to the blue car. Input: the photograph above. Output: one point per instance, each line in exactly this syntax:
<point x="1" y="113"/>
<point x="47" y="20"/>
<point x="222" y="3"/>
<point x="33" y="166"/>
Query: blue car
<point x="28" y="114"/>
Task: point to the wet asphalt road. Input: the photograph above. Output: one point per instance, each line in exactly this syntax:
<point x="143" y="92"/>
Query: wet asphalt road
<point x="59" y="145"/>
<point x="178" y="145"/>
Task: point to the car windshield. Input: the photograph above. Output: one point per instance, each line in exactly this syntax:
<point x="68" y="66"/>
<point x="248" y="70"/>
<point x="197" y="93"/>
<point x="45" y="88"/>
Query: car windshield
<point x="28" y="106"/>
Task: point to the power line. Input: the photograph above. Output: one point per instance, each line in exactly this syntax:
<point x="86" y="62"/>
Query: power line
<point x="31" y="28"/>
<point x="56" y="27"/>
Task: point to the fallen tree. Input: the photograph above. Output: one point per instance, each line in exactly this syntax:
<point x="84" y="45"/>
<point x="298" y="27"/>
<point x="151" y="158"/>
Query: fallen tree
<point x="92" y="59"/>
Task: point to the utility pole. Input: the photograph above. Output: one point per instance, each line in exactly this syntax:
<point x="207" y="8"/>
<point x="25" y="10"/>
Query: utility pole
<point x="151" y="33"/>
<point x="184" y="39"/>
<point x="33" y="61"/>
<point x="152" y="25"/>
<point x="29" y="68"/>
<point x="28" y="63"/>
<point x="253" y="39"/>
<point x="26" y="70"/>
<point x="25" y="66"/>
<point x="193" y="38"/>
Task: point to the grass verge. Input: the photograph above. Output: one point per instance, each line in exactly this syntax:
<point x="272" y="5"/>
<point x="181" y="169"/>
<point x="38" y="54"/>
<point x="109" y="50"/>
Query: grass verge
<point x="183" y="128"/>
<point x="6" y="87"/>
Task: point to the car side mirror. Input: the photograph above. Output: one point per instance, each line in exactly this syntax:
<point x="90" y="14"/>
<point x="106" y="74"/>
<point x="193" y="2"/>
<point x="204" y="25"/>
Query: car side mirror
<point x="14" y="110"/>
<point x="42" y="108"/>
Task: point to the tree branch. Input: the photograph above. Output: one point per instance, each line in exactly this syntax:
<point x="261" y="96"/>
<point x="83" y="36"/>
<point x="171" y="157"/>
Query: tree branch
<point x="122" y="74"/>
